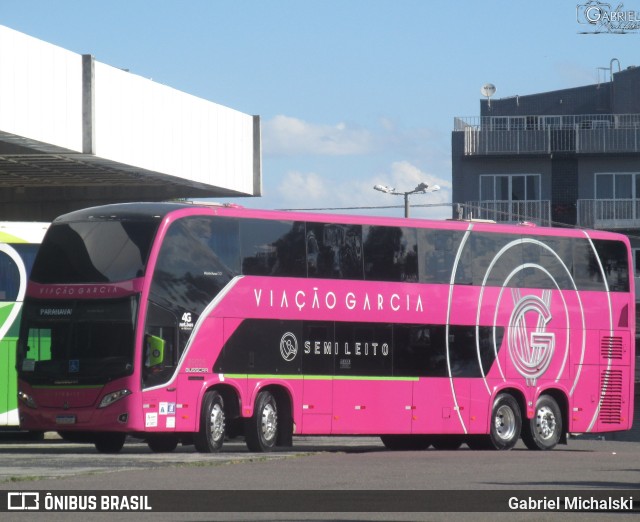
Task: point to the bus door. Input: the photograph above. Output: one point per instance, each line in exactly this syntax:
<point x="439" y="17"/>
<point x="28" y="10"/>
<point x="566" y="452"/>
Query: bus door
<point x="159" y="367"/>
<point x="367" y="397"/>
<point x="440" y="357"/>
<point x="318" y="368"/>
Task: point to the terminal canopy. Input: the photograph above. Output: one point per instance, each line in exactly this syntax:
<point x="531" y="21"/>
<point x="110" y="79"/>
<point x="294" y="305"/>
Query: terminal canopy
<point x="75" y="133"/>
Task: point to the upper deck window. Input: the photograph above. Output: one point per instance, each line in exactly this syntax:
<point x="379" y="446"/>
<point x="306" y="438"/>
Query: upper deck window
<point x="94" y="252"/>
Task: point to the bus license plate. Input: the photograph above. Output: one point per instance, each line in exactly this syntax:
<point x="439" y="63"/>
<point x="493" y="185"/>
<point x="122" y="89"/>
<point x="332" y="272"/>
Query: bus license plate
<point x="66" y="419"/>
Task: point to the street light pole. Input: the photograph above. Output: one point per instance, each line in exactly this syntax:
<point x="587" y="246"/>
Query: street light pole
<point x="422" y="188"/>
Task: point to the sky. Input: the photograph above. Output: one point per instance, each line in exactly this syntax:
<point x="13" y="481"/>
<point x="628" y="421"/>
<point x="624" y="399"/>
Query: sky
<point x="351" y="93"/>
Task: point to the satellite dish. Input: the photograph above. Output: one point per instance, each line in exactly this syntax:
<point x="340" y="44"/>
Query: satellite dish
<point x="488" y="90"/>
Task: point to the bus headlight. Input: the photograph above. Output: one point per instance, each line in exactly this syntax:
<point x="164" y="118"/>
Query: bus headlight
<point x="110" y="398"/>
<point x="27" y="399"/>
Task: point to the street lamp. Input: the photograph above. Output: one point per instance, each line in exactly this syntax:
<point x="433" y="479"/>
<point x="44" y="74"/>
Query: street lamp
<point x="422" y="188"/>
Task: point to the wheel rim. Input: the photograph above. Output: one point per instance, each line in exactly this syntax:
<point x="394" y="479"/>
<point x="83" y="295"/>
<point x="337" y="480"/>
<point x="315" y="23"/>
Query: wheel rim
<point x="546" y="423"/>
<point x="505" y="423"/>
<point x="216" y="421"/>
<point x="269" y="422"/>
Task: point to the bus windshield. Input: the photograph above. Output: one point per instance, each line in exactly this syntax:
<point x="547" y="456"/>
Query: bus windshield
<point x="94" y="252"/>
<point x="95" y="343"/>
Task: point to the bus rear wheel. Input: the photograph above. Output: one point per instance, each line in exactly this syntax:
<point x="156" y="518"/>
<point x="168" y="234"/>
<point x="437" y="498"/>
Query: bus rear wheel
<point x="210" y="437"/>
<point x="109" y="442"/>
<point x="506" y="422"/>
<point x="261" y="431"/>
<point x="543" y="431"/>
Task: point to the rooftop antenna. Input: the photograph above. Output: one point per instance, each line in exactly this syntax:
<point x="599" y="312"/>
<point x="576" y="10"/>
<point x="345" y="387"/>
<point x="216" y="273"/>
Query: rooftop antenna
<point x="611" y="67"/>
<point x="602" y="71"/>
<point x="602" y="75"/>
<point x="488" y="90"/>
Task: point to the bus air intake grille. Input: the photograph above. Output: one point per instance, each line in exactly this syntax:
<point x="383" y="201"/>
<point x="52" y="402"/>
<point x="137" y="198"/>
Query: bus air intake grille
<point x="611" y="347"/>
<point x="611" y="395"/>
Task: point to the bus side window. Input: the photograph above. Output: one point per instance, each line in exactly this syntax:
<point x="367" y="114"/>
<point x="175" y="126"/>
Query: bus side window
<point x="586" y="269"/>
<point x="437" y="251"/>
<point x="334" y="251"/>
<point x="613" y="256"/>
<point x="390" y="253"/>
<point x="272" y="248"/>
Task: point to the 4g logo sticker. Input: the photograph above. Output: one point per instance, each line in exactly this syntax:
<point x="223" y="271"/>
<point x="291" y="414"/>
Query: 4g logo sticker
<point x="186" y="322"/>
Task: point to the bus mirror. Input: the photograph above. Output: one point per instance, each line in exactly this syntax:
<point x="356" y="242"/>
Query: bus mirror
<point x="155" y="351"/>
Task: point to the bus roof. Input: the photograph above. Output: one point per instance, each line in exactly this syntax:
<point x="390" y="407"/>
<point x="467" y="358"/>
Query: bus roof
<point x="159" y="210"/>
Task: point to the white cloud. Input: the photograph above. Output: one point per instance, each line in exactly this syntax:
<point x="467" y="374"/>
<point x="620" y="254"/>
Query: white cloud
<point x="336" y="166"/>
<point x="406" y="176"/>
<point x="300" y="190"/>
<point x="303" y="189"/>
<point x="287" y="136"/>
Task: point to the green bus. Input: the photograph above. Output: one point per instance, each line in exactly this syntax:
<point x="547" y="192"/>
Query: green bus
<point x="19" y="242"/>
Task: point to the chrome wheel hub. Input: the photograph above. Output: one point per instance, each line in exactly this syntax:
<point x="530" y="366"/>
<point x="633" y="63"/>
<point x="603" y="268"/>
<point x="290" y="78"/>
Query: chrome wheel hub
<point x="269" y="422"/>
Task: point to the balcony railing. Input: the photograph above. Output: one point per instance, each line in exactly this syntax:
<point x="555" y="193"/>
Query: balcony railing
<point x="596" y="133"/>
<point x="538" y="212"/>
<point x="609" y="214"/>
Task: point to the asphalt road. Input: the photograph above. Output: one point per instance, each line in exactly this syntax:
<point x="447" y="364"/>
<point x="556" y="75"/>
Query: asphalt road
<point x="315" y="466"/>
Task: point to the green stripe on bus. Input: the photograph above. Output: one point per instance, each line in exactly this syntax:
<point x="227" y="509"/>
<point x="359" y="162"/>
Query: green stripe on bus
<point x="318" y="377"/>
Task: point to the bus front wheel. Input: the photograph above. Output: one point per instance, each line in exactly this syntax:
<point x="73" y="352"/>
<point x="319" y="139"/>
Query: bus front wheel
<point x="261" y="431"/>
<point x="210" y="437"/>
<point x="506" y="422"/>
<point x="543" y="431"/>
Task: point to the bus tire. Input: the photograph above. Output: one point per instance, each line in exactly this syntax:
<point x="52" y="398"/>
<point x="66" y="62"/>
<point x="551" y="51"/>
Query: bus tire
<point x="506" y="422"/>
<point x="544" y="430"/>
<point x="109" y="442"/>
<point x="162" y="443"/>
<point x="210" y="437"/>
<point x="261" y="431"/>
<point x="406" y="442"/>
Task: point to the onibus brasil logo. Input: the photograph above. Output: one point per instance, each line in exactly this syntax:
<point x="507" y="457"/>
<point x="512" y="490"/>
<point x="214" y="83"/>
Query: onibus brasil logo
<point x="530" y="346"/>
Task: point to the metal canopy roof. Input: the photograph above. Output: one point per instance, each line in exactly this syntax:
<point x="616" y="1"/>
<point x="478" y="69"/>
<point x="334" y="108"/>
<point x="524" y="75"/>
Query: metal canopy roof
<point x="75" y="133"/>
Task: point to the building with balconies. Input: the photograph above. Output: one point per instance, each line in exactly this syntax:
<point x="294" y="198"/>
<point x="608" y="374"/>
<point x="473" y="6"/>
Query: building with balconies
<point x="563" y="158"/>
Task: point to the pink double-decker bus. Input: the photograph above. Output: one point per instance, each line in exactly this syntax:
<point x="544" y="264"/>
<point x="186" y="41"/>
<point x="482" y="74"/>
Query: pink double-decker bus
<point x="181" y="323"/>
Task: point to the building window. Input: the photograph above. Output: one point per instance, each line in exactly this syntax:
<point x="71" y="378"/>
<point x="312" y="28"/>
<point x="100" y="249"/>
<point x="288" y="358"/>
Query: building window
<point x="636" y="261"/>
<point x="614" y="185"/>
<point x="510" y="187"/>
